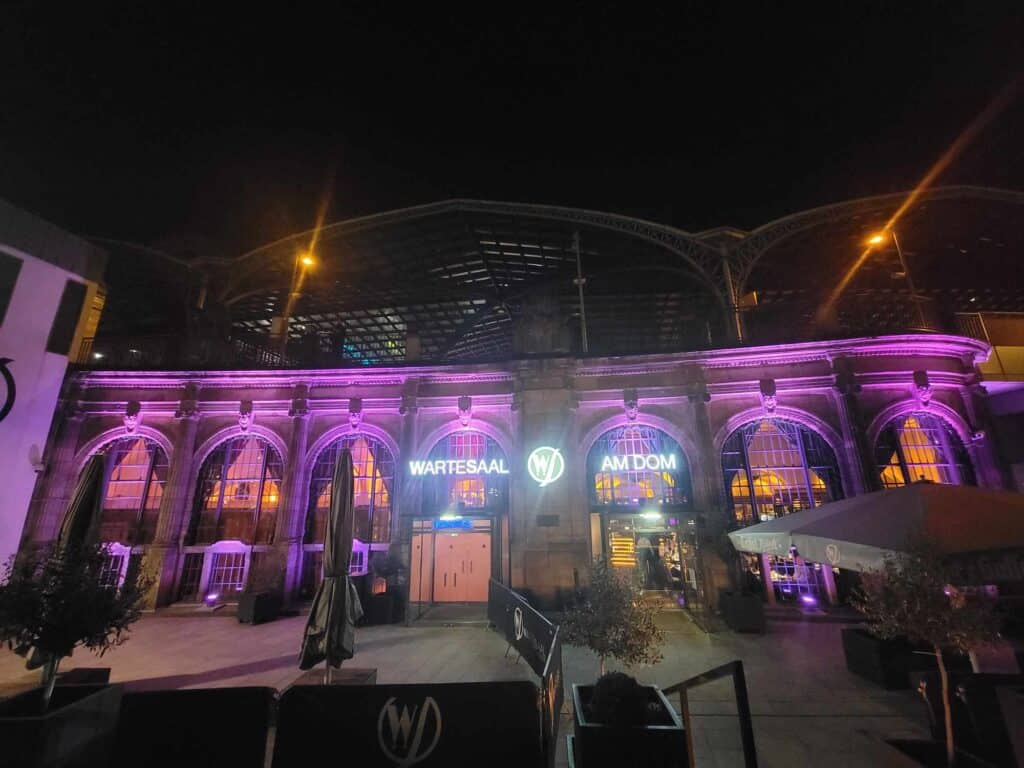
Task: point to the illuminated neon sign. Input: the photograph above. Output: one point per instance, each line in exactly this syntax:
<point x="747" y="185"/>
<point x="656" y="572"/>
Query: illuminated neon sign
<point x="458" y="467"/>
<point x="545" y="465"/>
<point x="638" y="462"/>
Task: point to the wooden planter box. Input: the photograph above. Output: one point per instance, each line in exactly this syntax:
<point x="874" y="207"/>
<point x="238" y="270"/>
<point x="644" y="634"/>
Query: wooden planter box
<point x="258" y="607"/>
<point x="932" y="753"/>
<point x="743" y="613"/>
<point x="78" y="730"/>
<point x="661" y="744"/>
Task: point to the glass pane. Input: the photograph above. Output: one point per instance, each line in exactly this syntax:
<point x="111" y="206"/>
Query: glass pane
<point x="638" y="465"/>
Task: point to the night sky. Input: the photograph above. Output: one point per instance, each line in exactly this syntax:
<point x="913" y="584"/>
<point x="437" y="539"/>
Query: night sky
<point x="226" y="126"/>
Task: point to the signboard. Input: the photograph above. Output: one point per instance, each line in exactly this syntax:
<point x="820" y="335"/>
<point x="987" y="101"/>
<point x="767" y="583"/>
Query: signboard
<point x="524" y="628"/>
<point x="658" y="462"/>
<point x="453" y="524"/>
<point x="458" y="467"/>
<point x="440" y="724"/>
<point x="545" y="465"/>
<point x="552" y="692"/>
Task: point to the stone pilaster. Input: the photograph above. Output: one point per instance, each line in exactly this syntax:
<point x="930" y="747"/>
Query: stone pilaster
<point x="291" y="517"/>
<point x="860" y="456"/>
<point x="707" y="483"/>
<point x="981" y="447"/>
<point x="163" y="556"/>
<point x="61" y="478"/>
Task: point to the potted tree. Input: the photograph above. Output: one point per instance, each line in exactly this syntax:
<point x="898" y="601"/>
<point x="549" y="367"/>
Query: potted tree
<point x="611" y="619"/>
<point x="261" y="601"/>
<point x="48" y="607"/>
<point x="912" y="596"/>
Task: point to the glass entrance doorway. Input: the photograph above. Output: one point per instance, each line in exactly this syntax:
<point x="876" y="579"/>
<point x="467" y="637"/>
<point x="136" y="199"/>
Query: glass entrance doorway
<point x="646" y="543"/>
<point x="451" y="561"/>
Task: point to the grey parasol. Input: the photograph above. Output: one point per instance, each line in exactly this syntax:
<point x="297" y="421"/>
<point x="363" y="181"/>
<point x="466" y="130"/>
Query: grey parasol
<point x="330" y="630"/>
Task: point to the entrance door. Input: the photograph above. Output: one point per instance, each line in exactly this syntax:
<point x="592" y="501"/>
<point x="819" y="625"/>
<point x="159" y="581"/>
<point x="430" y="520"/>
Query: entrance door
<point x="462" y="566"/>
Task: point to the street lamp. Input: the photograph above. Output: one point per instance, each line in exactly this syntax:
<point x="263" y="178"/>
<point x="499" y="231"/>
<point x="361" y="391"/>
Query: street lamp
<point x="304" y="261"/>
<point x="878" y="239"/>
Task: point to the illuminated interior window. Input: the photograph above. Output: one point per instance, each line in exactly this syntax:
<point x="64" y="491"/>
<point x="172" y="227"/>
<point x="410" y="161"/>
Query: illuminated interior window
<point x="921" y="447"/>
<point x="136" y="470"/>
<point x="373" y="468"/>
<point x="632" y="486"/>
<point x="239" y="492"/>
<point x="467" y="492"/>
<point x="774" y="467"/>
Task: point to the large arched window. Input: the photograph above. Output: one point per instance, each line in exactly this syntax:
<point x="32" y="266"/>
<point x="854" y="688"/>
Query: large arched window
<point x="638" y="465"/>
<point x="239" y="493"/>
<point x="135" y="469"/>
<point x="773" y="467"/>
<point x="374" y="470"/>
<point x="473" y="474"/>
<point x="921" y="446"/>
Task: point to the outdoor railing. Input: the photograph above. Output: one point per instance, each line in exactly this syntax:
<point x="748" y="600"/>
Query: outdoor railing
<point x="732" y="669"/>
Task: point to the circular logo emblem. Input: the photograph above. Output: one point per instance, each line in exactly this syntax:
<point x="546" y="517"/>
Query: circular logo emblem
<point x="8" y="378"/>
<point x="517" y="622"/>
<point x="545" y="465"/>
<point x="407" y="735"/>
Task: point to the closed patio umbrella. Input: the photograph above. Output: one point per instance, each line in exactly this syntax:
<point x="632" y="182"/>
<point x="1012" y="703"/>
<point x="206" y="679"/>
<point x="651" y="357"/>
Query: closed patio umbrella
<point x="330" y="630"/>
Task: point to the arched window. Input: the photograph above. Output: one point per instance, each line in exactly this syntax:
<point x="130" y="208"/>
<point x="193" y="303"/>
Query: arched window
<point x="637" y="465"/>
<point x="135" y="469"/>
<point x="474" y="475"/>
<point x="921" y="446"/>
<point x="773" y="467"/>
<point x="239" y="493"/>
<point x="374" y="469"/>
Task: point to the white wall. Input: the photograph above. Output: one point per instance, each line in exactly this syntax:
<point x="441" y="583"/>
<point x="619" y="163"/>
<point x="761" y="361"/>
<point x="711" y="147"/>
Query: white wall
<point x="38" y="375"/>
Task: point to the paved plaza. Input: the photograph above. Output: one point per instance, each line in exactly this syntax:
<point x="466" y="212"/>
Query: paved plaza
<point x="808" y="710"/>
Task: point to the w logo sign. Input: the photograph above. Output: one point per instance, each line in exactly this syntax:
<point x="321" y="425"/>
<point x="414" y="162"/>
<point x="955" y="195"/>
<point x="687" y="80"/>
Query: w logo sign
<point x="545" y="465"/>
<point x="408" y="736"/>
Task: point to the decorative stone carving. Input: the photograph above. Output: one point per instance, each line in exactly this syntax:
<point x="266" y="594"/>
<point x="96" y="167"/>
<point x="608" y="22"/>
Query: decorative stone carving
<point x="300" y="401"/>
<point x="465" y="410"/>
<point x="922" y="388"/>
<point x="769" y="396"/>
<point x="698" y="393"/>
<point x="355" y="413"/>
<point x="631" y="404"/>
<point x="188" y="406"/>
<point x="845" y="380"/>
<point x="131" y="416"/>
<point x="245" y="415"/>
<point x="408" y="404"/>
<point x="517" y="400"/>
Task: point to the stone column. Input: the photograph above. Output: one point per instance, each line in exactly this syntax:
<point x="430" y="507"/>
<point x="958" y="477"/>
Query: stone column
<point x="163" y="556"/>
<point x="829" y="578"/>
<point x="406" y="498"/>
<point x="60" y="481"/>
<point x="291" y="518"/>
<point x="766" y="577"/>
<point x="989" y="471"/>
<point x="708" y="486"/>
<point x="860" y="455"/>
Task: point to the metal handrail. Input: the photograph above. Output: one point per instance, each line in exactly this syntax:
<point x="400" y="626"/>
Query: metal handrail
<point x="732" y="669"/>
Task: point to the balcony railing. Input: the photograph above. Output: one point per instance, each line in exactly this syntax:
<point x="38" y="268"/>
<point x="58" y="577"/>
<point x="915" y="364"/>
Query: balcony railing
<point x="175" y="351"/>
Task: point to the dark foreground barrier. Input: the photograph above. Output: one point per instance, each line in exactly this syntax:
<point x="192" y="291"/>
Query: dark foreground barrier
<point x="195" y="727"/>
<point x="442" y="724"/>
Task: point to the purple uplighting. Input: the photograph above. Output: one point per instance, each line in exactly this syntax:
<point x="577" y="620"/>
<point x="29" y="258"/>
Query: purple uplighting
<point x="211" y="599"/>
<point x="808" y="600"/>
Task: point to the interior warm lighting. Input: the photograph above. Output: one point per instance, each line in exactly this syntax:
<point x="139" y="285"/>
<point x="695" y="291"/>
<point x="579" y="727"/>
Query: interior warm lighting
<point x="449" y="516"/>
<point x="651" y="515"/>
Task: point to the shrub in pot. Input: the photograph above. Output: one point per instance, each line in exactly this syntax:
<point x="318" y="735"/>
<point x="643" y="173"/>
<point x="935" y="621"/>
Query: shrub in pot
<point x="913" y="596"/>
<point x="743" y="611"/>
<point x="262" y="599"/>
<point x="48" y="607"/>
<point x="619" y="722"/>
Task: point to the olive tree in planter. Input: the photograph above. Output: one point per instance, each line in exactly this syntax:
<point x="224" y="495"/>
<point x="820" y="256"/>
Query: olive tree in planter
<point x="611" y="618"/>
<point x="48" y="607"/>
<point x="912" y="596"/>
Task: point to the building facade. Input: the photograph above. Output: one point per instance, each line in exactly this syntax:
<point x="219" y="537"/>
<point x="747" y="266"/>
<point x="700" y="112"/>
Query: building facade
<point x="521" y="471"/>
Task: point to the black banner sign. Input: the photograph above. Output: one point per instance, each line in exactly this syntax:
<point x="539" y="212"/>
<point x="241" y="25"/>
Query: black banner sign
<point x="442" y="724"/>
<point x="524" y="628"/>
<point x="552" y="693"/>
<point x="991" y="567"/>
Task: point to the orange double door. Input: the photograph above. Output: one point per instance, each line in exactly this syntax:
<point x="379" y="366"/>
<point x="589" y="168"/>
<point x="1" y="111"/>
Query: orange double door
<point x="458" y="564"/>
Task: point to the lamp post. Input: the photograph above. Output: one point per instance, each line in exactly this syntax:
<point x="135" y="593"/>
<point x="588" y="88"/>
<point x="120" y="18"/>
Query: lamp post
<point x="880" y="237"/>
<point x="303" y="262"/>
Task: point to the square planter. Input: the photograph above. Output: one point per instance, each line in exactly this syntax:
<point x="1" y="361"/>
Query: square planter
<point x="660" y="744"/>
<point x="885" y="662"/>
<point x="258" y="607"/>
<point x="379" y="609"/>
<point x="743" y="612"/>
<point x="78" y="730"/>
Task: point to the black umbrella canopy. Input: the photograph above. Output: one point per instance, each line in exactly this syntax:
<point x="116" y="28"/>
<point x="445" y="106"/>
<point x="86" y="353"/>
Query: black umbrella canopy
<point x="330" y="630"/>
<point x="82" y="518"/>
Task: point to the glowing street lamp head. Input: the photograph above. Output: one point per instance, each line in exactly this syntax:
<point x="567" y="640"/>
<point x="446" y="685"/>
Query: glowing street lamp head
<point x="306" y="260"/>
<point x="876" y="239"/>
